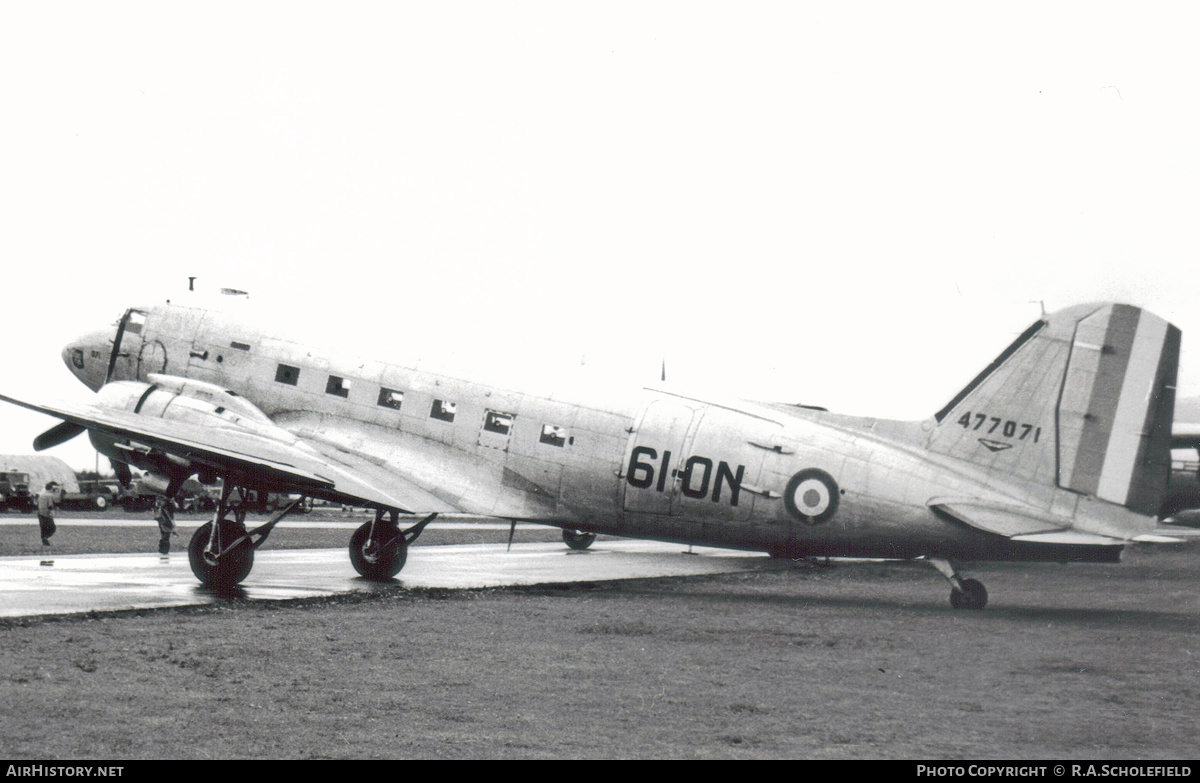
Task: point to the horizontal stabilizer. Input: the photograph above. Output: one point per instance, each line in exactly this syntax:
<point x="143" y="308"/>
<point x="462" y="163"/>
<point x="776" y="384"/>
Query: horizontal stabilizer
<point x="1185" y="435"/>
<point x="1007" y="521"/>
<point x="1073" y="537"/>
<point x="1151" y="538"/>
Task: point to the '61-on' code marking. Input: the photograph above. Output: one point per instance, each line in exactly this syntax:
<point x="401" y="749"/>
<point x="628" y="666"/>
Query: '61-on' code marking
<point x="994" y="425"/>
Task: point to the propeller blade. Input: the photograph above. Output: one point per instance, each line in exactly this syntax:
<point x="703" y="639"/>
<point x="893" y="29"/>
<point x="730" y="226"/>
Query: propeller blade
<point x="512" y="528"/>
<point x="59" y="433"/>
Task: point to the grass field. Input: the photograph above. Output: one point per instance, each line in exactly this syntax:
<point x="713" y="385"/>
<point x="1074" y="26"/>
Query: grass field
<point x="852" y="661"/>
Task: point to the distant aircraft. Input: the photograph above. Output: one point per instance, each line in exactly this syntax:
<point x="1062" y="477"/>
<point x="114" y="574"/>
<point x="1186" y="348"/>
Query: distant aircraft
<point x="1183" y="488"/>
<point x="1058" y="451"/>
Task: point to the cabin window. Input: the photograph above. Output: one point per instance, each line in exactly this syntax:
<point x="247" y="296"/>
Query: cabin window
<point x="442" y="410"/>
<point x="553" y="435"/>
<point x="285" y="373"/>
<point x="390" y="398"/>
<point x="497" y="422"/>
<point x="339" y="387"/>
<point x="239" y="346"/>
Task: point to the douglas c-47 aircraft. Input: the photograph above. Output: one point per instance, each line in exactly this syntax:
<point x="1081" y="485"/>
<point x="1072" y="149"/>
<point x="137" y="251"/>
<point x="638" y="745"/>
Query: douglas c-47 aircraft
<point x="1058" y="451"/>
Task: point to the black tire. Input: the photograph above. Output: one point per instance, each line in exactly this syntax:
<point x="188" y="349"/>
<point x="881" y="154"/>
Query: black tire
<point x="577" y="539"/>
<point x="232" y="568"/>
<point x="100" y="503"/>
<point x="387" y="555"/>
<point x="972" y="596"/>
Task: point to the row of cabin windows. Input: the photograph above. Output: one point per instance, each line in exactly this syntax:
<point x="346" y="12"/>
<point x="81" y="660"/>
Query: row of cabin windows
<point x="494" y="421"/>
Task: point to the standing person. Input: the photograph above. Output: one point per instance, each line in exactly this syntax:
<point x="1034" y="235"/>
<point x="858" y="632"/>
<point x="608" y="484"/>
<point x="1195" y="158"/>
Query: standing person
<point x="237" y="504"/>
<point x="166" y="524"/>
<point x="47" y="502"/>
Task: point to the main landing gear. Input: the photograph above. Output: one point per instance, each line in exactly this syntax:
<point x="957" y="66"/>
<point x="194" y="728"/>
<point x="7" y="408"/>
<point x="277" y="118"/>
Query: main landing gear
<point x="221" y="552"/>
<point x="964" y="593"/>
<point x="379" y="548"/>
<point x="577" y="539"/>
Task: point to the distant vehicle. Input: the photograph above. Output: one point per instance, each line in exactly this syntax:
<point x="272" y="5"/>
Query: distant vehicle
<point x="92" y="495"/>
<point x="1183" y="489"/>
<point x="23" y="476"/>
<point x="14" y="492"/>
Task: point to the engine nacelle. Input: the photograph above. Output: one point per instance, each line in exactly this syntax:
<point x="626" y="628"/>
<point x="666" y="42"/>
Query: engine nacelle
<point x="192" y="402"/>
<point x="182" y="400"/>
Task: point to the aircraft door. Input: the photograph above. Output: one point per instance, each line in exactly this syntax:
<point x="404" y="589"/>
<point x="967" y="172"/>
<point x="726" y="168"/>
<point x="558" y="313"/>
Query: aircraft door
<point x="720" y="470"/>
<point x="152" y="358"/>
<point x="655" y="445"/>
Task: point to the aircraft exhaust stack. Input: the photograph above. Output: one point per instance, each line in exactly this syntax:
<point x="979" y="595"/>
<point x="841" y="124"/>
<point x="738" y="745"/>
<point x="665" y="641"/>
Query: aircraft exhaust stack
<point x="1098" y="381"/>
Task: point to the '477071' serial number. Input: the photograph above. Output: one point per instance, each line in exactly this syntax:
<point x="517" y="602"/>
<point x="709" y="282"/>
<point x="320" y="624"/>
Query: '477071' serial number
<point x="998" y="426"/>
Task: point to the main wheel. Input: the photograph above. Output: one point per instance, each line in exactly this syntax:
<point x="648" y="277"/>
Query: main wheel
<point x="577" y="539"/>
<point x="100" y="502"/>
<point x="972" y="596"/>
<point x="232" y="567"/>
<point x="379" y="558"/>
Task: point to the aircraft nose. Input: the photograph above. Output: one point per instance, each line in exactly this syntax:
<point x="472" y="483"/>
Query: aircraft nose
<point x="87" y="358"/>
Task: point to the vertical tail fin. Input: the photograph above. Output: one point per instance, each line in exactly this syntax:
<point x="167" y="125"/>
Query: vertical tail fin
<point x="1082" y="400"/>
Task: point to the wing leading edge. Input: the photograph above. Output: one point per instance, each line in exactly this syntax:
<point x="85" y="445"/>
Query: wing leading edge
<point x="225" y="450"/>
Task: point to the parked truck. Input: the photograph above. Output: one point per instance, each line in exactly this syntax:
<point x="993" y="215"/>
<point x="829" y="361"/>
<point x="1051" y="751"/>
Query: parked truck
<point x="15" y="493"/>
<point x="24" y="476"/>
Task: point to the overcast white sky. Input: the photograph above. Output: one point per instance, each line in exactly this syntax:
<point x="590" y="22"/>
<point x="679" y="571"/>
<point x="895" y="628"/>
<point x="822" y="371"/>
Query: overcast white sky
<point x="849" y="204"/>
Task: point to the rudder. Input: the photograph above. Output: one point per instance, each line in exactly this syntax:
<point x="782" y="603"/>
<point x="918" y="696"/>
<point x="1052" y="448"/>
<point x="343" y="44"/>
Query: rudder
<point x="1082" y="400"/>
<point x="1118" y="401"/>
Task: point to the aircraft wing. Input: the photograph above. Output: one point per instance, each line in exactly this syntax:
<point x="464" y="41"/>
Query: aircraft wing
<point x="227" y="450"/>
<point x="429" y="478"/>
<point x="412" y="498"/>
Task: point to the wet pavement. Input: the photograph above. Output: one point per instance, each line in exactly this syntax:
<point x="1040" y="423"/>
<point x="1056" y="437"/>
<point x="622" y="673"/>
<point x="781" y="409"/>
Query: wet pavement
<point x="81" y="583"/>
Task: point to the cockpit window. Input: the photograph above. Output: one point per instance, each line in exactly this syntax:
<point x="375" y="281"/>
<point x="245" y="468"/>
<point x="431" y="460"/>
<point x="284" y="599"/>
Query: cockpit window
<point x="137" y="319"/>
<point x="77" y="358"/>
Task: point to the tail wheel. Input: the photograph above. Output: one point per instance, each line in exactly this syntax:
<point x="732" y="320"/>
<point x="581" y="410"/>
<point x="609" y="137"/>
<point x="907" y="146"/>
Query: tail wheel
<point x="972" y="596"/>
<point x="232" y="567"/>
<point x="378" y="557"/>
<point x="577" y="539"/>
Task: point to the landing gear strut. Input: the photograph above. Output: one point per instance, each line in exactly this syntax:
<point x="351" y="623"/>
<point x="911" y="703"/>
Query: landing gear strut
<point x="379" y="548"/>
<point x="964" y="593"/>
<point x="221" y="552"/>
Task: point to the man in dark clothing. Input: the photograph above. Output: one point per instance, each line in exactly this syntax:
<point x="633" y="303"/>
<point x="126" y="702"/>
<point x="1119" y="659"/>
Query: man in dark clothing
<point x="166" y="524"/>
<point x="47" y="501"/>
